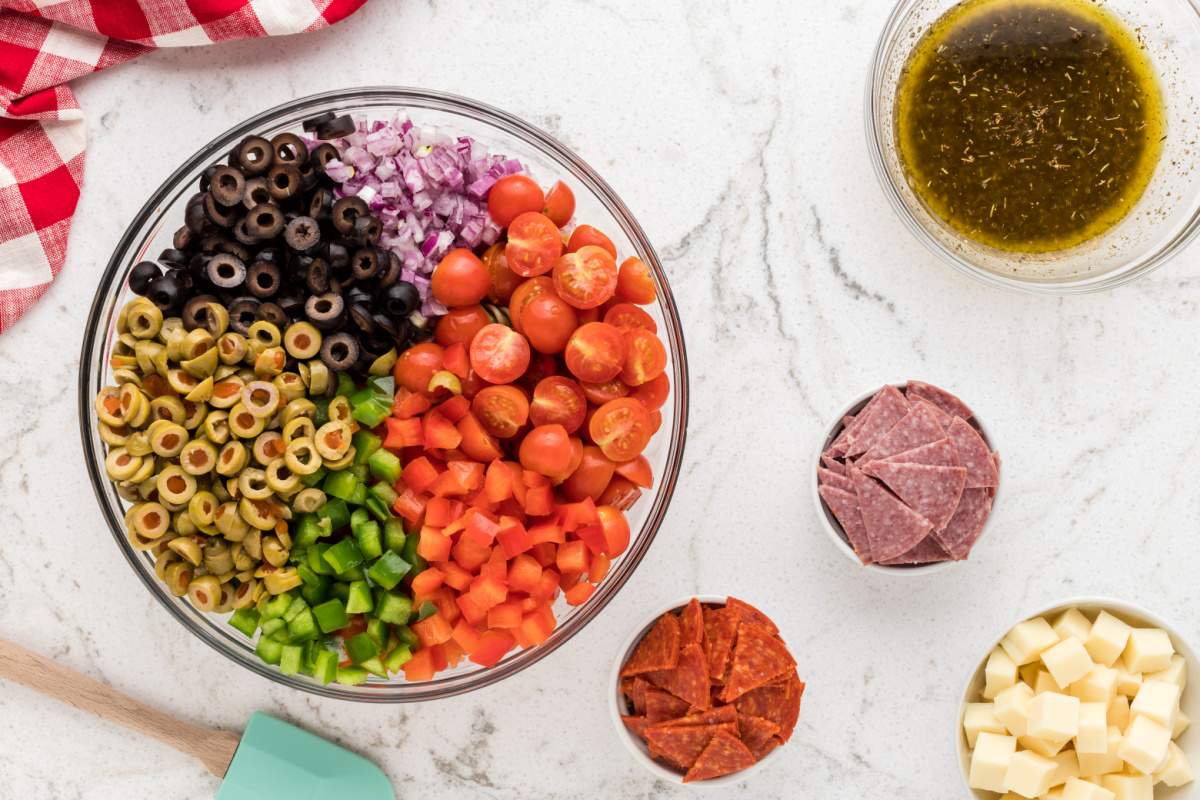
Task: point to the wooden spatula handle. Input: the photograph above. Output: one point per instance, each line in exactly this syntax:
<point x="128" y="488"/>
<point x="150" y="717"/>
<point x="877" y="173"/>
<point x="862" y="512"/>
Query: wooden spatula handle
<point x="213" y="748"/>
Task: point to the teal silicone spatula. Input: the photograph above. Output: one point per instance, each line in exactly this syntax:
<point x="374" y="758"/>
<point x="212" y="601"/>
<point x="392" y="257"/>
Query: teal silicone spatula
<point x="272" y="759"/>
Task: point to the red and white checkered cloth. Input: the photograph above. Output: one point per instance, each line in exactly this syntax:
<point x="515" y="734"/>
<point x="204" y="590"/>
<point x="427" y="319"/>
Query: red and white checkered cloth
<point x="46" y="43"/>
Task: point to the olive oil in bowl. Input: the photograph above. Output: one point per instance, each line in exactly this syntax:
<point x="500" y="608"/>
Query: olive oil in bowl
<point x="1030" y="126"/>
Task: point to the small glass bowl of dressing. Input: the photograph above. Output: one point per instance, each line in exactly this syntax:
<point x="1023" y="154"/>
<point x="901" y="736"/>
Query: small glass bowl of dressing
<point x="1155" y="229"/>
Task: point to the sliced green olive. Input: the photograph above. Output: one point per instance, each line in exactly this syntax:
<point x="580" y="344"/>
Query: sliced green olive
<point x="319" y="379"/>
<point x="108" y="406"/>
<point x="204" y="592"/>
<point x="164" y="560"/>
<point x="259" y="513"/>
<point x="265" y="332"/>
<point x="144" y="472"/>
<point x="147" y="355"/>
<point x="308" y="500"/>
<point x="230" y="523"/>
<point x="281" y="580"/>
<point x="114" y="436"/>
<point x="138" y="443"/>
<point x="217" y="558"/>
<point x="227" y="392"/>
<point x="339" y="409"/>
<point x="183" y="524"/>
<point x="243" y="595"/>
<point x="383" y="364"/>
<point x="167" y="438"/>
<point x="260" y="398"/>
<point x="302" y="457"/>
<point x="216" y="318"/>
<point x="138" y="541"/>
<point x="268" y="447"/>
<point x="197" y="343"/>
<point x="144" y="321"/>
<point x="177" y="577"/>
<point x="252" y="544"/>
<point x="188" y="548"/>
<point x="232" y="458"/>
<point x="345" y="462"/>
<point x="333" y="439"/>
<point x="216" y="427"/>
<point x="125" y="375"/>
<point x="274" y="553"/>
<point x="180" y="381"/>
<point x="120" y="465"/>
<point x="223" y="371"/>
<point x="175" y="485"/>
<point x="198" y="457"/>
<point x="231" y="347"/>
<point x="151" y="520"/>
<point x="244" y="424"/>
<point x="270" y="362"/>
<point x="193" y="414"/>
<point x="241" y="559"/>
<point x="290" y="386"/>
<point x="167" y="407"/>
<point x="280" y="479"/>
<point x="252" y="483"/>
<point x="302" y="340"/>
<point x="300" y="407"/>
<point x="203" y="365"/>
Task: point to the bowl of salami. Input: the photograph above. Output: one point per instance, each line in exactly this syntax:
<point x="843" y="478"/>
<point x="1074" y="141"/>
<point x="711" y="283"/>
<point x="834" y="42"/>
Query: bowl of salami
<point x="905" y="480"/>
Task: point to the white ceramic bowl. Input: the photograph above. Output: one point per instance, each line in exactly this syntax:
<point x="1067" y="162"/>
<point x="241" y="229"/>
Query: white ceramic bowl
<point x="1135" y="616"/>
<point x="616" y="707"/>
<point x="830" y="524"/>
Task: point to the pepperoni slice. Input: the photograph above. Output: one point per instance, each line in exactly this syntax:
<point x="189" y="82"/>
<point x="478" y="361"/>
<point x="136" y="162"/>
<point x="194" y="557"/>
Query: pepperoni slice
<point x="680" y="746"/>
<point x="688" y="680"/>
<point x="720" y="627"/>
<point x="760" y="735"/>
<point x="637" y="725"/>
<point x="778" y="701"/>
<point x="662" y="706"/>
<point x="758" y="658"/>
<point x="713" y="716"/>
<point x="750" y="613"/>
<point x="691" y="624"/>
<point x="658" y="650"/>
<point x="724" y="754"/>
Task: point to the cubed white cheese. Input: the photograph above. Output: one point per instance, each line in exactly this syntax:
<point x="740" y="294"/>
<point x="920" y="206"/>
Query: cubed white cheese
<point x="1053" y="716"/>
<point x="1148" y="650"/>
<point x="1067" y="661"/>
<point x="1029" y="774"/>
<point x="1092" y="764"/>
<point x="1054" y="794"/>
<point x="1177" y="771"/>
<point x="1129" y="787"/>
<point x="1027" y="640"/>
<point x="1011" y="707"/>
<point x="1093" y="728"/>
<point x="1144" y="745"/>
<point x="1098" y="686"/>
<point x="1043" y="747"/>
<point x="1072" y="623"/>
<point x="1181" y="724"/>
<point x="1076" y="789"/>
<point x="990" y="760"/>
<point x="1045" y="683"/>
<point x="999" y="673"/>
<point x="1107" y="639"/>
<point x="980" y="717"/>
<point x="1157" y="700"/>
<point x="1068" y="767"/>
<point x="1029" y="672"/>
<point x="1128" y="682"/>
<point x="1176" y="673"/>
<point x="1118" y="712"/>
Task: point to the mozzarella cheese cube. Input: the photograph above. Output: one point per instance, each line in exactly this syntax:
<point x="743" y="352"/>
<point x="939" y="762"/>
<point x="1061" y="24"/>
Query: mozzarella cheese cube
<point x="1053" y="716"/>
<point x="1148" y="650"/>
<point x="1181" y="724"/>
<point x="1067" y="661"/>
<point x="1092" y="736"/>
<point x="1068" y="767"/>
<point x="1092" y="764"/>
<point x="1011" y="707"/>
<point x="980" y="717"/>
<point x="999" y="674"/>
<point x="1177" y="771"/>
<point x="1076" y="789"/>
<point x="990" y="760"/>
<point x="1128" y="682"/>
<point x="1029" y="774"/>
<point x="1043" y="747"/>
<point x="1029" y="672"/>
<point x="1107" y="639"/>
<point x="1157" y="700"/>
<point x="1098" y="686"/>
<point x="1072" y="624"/>
<point x="1129" y="787"/>
<point x="1045" y="683"/>
<point x="1054" y="794"/>
<point x="1118" y="712"/>
<point x="1028" y="640"/>
<point x="1144" y="746"/>
<point x="1176" y="673"/>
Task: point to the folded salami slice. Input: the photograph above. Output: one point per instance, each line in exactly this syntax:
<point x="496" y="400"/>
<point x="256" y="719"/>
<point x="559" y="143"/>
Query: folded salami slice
<point x="892" y="527"/>
<point x="837" y="448"/>
<point x="965" y="527"/>
<point x="833" y="464"/>
<point x="933" y="492"/>
<point x="940" y="398"/>
<point x="941" y="453"/>
<point x="919" y="427"/>
<point x="883" y="411"/>
<point x="844" y="506"/>
<point x="826" y="477"/>
<point x="927" y="552"/>
<point x="974" y="455"/>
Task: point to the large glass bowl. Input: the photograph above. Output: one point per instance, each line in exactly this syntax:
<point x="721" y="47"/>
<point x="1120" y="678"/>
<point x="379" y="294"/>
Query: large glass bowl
<point x="1165" y="220"/>
<point x="548" y="160"/>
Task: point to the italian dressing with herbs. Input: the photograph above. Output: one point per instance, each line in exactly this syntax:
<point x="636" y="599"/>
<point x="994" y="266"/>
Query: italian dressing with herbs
<point x="1029" y="125"/>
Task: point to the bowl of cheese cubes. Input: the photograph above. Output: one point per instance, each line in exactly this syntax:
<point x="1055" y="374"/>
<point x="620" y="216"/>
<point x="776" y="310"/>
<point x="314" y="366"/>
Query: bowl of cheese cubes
<point x="1085" y="700"/>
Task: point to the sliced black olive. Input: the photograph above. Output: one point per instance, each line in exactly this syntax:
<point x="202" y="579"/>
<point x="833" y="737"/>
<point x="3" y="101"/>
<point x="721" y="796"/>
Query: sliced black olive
<point x="346" y="211"/>
<point x="255" y="155"/>
<point x="142" y="275"/>
<point x="308" y="176"/>
<point x="337" y="254"/>
<point x="242" y="233"/>
<point x="312" y="123"/>
<point x="391" y="272"/>
<point x="367" y="229"/>
<point x="194" y="217"/>
<point x="322" y="154"/>
<point x="227" y="186"/>
<point x="270" y="253"/>
<point x="264" y="221"/>
<point x="283" y="181"/>
<point x="211" y="243"/>
<point x="263" y="279"/>
<point x="272" y="313"/>
<point x="357" y="295"/>
<point x="219" y="214"/>
<point x="172" y="257"/>
<point x="289" y="149"/>
<point x="317" y="277"/>
<point x="376" y="344"/>
<point x="234" y="249"/>
<point x="165" y="291"/>
<point x="302" y="233"/>
<point x="292" y="304"/>
<point x="243" y="312"/>
<point x="319" y="203"/>
<point x="226" y="271"/>
<point x="385" y="324"/>
<point x="360" y="315"/>
<point x="365" y="263"/>
<point x="325" y="310"/>
<point x="340" y="352"/>
<point x="400" y="299"/>
<point x="336" y="127"/>
<point x="195" y="311"/>
<point x="256" y="193"/>
<point x="206" y="176"/>
<point x="182" y="239"/>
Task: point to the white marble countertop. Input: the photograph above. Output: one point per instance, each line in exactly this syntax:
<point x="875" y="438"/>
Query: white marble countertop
<point x="734" y="133"/>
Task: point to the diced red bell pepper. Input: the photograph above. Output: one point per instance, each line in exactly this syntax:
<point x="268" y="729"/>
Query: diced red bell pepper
<point x="599" y="567"/>
<point x="497" y="484"/>
<point x="432" y="630"/>
<point x="440" y="432"/>
<point x="518" y="482"/>
<point x="440" y="512"/>
<point x="472" y="612"/>
<point x="456" y="360"/>
<point x="419" y="474"/>
<point x="637" y="471"/>
<point x="433" y="545"/>
<point x="569" y="580"/>
<point x="537" y="625"/>
<point x="469" y="555"/>
<point x="496" y="566"/>
<point x="455" y="408"/>
<point x="467" y="635"/>
<point x="547" y="588"/>
<point x="539" y="500"/>
<point x="443" y="598"/>
<point x="578" y="594"/>
<point x="572" y="516"/>
<point x="438" y="656"/>
<point x="505" y="615"/>
<point x="419" y="667"/>
<point x="488" y="591"/>
<point x="448" y="485"/>
<point x="492" y="647"/>
<point x="454" y="653"/>
<point x="572" y="557"/>
<point x="427" y="581"/>
<point x="469" y="473"/>
<point x="455" y="576"/>
<point x="401" y="433"/>
<point x="409" y="404"/>
<point x="533" y="479"/>
<point x="410" y="506"/>
<point x="546" y="553"/>
<point x="524" y="573"/>
<point x="593" y="536"/>
<point x="546" y="532"/>
<point x="513" y="537"/>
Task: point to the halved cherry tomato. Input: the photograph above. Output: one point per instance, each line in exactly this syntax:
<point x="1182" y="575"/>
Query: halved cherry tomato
<point x="558" y="400"/>
<point x="591" y="477"/>
<point x="654" y="392"/>
<point x="548" y="322"/>
<point x="576" y="460"/>
<point x="627" y="316"/>
<point x="459" y="325"/>
<point x="477" y="443"/>
<point x="525" y="292"/>
<point x="595" y="352"/>
<point x="416" y="366"/>
<point x="585" y="236"/>
<point x="621" y="428"/>
<point x="502" y="410"/>
<point x="503" y="279"/>
<point x="499" y="354"/>
<point x="645" y="357"/>
<point x="635" y="284"/>
<point x="637" y="470"/>
<point x="534" y="245"/>
<point x="586" y="278"/>
<point x="560" y="204"/>
<point x="546" y="450"/>
<point x="460" y="279"/>
<point x="513" y="195"/>
<point x="616" y="529"/>
<point x="601" y="393"/>
<point x="656" y="420"/>
<point x="621" y="494"/>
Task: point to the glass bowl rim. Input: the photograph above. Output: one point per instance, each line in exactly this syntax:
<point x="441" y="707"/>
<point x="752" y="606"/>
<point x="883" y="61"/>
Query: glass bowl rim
<point x="530" y="136"/>
<point x="888" y="41"/>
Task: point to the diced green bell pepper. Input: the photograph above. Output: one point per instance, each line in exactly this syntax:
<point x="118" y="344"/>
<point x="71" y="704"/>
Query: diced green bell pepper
<point x="400" y="655"/>
<point x="385" y="466"/>
<point x="370" y="540"/>
<point x="365" y="444"/>
<point x="385" y="494"/>
<point x="331" y="615"/>
<point x="351" y="676"/>
<point x="272" y="625"/>
<point x="377" y="630"/>
<point x="314" y="478"/>
<point x="426" y="610"/>
<point x="245" y="620"/>
<point x="359" y="601"/>
<point x="375" y="667"/>
<point x="377" y="507"/>
<point x="303" y="628"/>
<point x="289" y="659"/>
<point x="297" y="605"/>
<point x="394" y="608"/>
<point x="361" y="647"/>
<point x="344" y="555"/>
<point x="340" y="484"/>
<point x="324" y="668"/>
<point x="358" y="518"/>
<point x="308" y="529"/>
<point x="316" y="559"/>
<point x="336" y="511"/>
<point x="407" y="636"/>
<point x="277" y="606"/>
<point x="359" y="495"/>
<point x="394" y="537"/>
<point x="269" y="650"/>
<point x="371" y="411"/>
<point x="410" y="553"/>
<point x="388" y="570"/>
